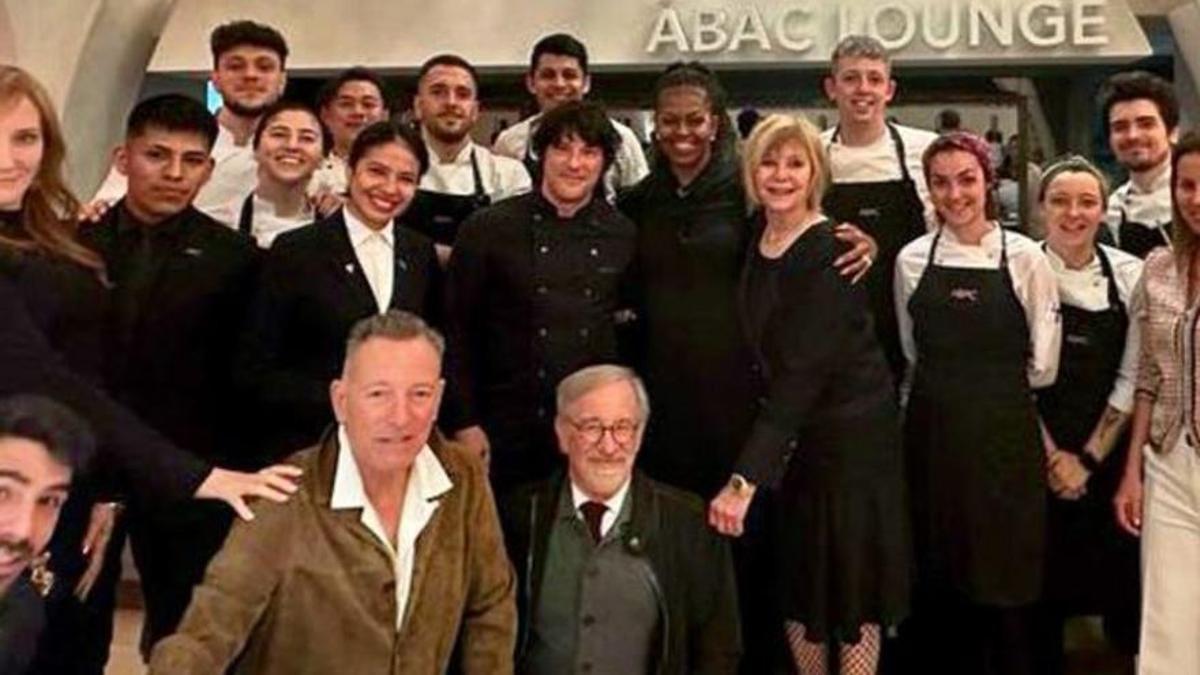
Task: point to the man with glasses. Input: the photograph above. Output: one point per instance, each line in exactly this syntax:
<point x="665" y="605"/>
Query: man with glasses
<point x="618" y="573"/>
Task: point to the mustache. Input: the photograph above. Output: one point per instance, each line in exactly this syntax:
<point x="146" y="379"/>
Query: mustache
<point x="20" y="549"/>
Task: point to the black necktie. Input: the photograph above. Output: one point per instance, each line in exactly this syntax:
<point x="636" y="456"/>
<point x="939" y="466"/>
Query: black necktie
<point x="593" y="512"/>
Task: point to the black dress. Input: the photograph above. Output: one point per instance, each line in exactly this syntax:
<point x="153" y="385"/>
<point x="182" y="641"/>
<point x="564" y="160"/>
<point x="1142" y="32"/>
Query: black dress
<point x="688" y="347"/>
<point x="828" y="434"/>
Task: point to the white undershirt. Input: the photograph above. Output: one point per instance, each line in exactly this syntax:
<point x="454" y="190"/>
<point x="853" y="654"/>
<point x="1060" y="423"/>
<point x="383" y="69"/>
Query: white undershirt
<point x="376" y="254"/>
<point x="876" y="162"/>
<point x="614" y="504"/>
<point x="427" y="480"/>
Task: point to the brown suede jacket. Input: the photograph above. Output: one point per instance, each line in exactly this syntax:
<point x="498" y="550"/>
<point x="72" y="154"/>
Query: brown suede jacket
<point x="306" y="589"/>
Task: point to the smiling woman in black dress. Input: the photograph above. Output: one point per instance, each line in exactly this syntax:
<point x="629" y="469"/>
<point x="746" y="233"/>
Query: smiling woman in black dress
<point x="827" y="433"/>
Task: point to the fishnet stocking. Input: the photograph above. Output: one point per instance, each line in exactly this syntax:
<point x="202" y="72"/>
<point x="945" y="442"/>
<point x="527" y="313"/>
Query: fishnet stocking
<point x="809" y="656"/>
<point x="861" y="658"/>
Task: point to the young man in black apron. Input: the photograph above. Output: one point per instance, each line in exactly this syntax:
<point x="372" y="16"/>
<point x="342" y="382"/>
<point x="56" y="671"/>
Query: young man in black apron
<point x="1142" y="114"/>
<point x="876" y="170"/>
<point x="463" y="176"/>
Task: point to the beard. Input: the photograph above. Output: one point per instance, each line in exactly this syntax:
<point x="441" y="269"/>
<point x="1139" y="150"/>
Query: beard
<point x="21" y="549"/>
<point x="246" y="110"/>
<point x="447" y="136"/>
<point x="1141" y="166"/>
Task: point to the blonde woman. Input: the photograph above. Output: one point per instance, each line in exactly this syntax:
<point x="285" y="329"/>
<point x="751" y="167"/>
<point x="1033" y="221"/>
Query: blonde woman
<point x="826" y="435"/>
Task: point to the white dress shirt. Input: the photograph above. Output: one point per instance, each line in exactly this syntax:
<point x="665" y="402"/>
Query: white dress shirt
<point x="876" y="162"/>
<point x="1151" y="207"/>
<point x="427" y="480"/>
<point x="1034" y="283"/>
<point x="614" y="504"/>
<point x="331" y="175"/>
<point x="1087" y="289"/>
<point x="376" y="254"/>
<point x="266" y="224"/>
<point x="629" y="166"/>
<point x="502" y="177"/>
<point x="234" y="176"/>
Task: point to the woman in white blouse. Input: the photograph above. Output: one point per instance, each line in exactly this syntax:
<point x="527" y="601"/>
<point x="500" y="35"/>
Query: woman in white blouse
<point x="979" y="324"/>
<point x="1091" y="566"/>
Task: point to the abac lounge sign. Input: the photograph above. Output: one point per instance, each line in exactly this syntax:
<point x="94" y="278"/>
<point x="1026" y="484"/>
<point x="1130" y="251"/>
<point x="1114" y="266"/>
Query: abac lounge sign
<point x="928" y="32"/>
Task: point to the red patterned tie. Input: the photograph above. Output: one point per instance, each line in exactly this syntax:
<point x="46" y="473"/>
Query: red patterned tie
<point x="593" y="512"/>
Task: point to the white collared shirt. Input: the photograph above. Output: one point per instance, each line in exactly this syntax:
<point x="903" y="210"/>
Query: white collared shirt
<point x="235" y="173"/>
<point x="1087" y="289"/>
<point x="876" y="162"/>
<point x="614" y="504"/>
<point x="628" y="167"/>
<point x="1034" y="283"/>
<point x="376" y="253"/>
<point x="266" y="224"/>
<point x="427" y="481"/>
<point x="331" y="175"/>
<point x="502" y="177"/>
<point x="1151" y="208"/>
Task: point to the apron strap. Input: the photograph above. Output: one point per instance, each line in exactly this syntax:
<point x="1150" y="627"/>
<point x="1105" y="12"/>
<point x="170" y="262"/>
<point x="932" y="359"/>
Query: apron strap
<point x="897" y="143"/>
<point x="246" y="219"/>
<point x="1114" y="295"/>
<point x="476" y="177"/>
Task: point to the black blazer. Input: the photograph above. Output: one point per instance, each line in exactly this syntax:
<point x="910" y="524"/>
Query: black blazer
<point x="171" y="359"/>
<point x="311" y="292"/>
<point x="154" y="468"/>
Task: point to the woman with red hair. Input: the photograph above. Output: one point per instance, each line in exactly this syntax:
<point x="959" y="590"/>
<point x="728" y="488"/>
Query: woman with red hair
<point x="979" y="325"/>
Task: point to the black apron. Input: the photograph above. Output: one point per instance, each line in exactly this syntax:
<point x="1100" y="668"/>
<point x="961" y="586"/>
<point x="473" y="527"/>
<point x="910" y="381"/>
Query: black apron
<point x="437" y="215"/>
<point x="977" y="470"/>
<point x="1139" y="238"/>
<point x="1086" y="555"/>
<point x="893" y="214"/>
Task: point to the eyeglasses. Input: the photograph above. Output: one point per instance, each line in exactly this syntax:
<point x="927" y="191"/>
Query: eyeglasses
<point x="592" y="431"/>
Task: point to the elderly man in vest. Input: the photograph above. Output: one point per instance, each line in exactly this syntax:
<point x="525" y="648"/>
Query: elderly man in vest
<point x="621" y="575"/>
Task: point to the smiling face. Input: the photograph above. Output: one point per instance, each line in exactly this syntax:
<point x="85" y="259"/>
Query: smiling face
<point x="685" y="127"/>
<point x="958" y="189"/>
<point x="861" y="87"/>
<point x="165" y="170"/>
<point x="22" y="147"/>
<point x="249" y="78"/>
<point x="388" y="398"/>
<point x="289" y="148"/>
<point x="383" y="182"/>
<point x="1138" y="135"/>
<point x="556" y="80"/>
<point x="570" y="171"/>
<point x="600" y="467"/>
<point x="357" y="104"/>
<point x="783" y="178"/>
<point x="1073" y="205"/>
<point x="446" y="104"/>
<point x="33" y="488"/>
<point x="1186" y="190"/>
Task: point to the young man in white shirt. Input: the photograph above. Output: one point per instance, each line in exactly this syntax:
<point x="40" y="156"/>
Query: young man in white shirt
<point x="249" y="61"/>
<point x="463" y="176"/>
<point x="1142" y="114"/>
<point x="353" y="100"/>
<point x="558" y="73"/>
<point x="877" y="182"/>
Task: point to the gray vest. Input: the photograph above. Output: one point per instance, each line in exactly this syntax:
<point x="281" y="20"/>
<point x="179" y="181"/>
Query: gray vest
<point x="598" y="612"/>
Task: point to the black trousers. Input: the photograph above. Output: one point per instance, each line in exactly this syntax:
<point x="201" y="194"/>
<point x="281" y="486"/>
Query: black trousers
<point x="172" y="547"/>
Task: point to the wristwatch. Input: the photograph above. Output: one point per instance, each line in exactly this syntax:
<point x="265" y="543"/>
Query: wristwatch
<point x="740" y="486"/>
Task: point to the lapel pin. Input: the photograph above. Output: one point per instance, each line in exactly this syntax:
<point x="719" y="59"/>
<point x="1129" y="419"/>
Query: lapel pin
<point x="401" y="264"/>
<point x="194" y="252"/>
<point x="349" y="268"/>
